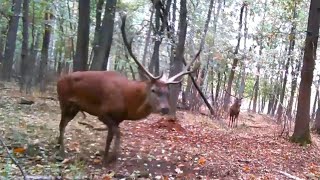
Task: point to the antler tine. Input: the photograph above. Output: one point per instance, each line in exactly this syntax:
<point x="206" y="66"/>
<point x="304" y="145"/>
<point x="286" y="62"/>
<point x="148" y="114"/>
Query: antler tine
<point x="172" y="80"/>
<point x="230" y="93"/>
<point x="129" y="47"/>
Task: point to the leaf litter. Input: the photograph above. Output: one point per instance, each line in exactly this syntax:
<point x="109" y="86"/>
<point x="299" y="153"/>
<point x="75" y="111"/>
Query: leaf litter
<point x="194" y="147"/>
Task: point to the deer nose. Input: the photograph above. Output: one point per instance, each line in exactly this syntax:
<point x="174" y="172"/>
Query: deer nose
<point x="164" y="110"/>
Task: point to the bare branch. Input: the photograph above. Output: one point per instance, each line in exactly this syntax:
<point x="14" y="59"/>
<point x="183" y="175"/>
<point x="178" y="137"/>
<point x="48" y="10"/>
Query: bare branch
<point x="13" y="159"/>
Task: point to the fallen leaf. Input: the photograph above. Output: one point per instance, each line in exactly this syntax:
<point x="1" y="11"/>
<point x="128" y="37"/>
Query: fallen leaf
<point x="65" y="161"/>
<point x="246" y="169"/>
<point x="19" y="150"/>
<point x="202" y="161"/>
<point x="97" y="161"/>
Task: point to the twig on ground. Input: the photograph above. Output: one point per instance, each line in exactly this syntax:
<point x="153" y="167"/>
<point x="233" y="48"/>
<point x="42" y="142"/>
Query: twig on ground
<point x="92" y="127"/>
<point x="86" y="124"/>
<point x="50" y="98"/>
<point x="251" y="126"/>
<point x="13" y="159"/>
<point x="288" y="175"/>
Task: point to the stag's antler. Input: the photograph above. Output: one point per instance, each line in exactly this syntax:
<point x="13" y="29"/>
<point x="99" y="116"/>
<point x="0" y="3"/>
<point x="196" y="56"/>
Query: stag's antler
<point x="172" y="80"/>
<point x="243" y="97"/>
<point x="231" y="94"/>
<point x="129" y="47"/>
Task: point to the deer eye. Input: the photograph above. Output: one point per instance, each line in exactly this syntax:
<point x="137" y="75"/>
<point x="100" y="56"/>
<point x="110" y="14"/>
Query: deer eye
<point x="153" y="90"/>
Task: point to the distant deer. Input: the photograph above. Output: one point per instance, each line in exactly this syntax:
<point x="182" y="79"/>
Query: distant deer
<point x="113" y="98"/>
<point x="234" y="110"/>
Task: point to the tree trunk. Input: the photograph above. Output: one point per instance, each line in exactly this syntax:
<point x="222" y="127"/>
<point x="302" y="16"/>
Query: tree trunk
<point x="317" y="114"/>
<point x="291" y="49"/>
<point x="44" y="52"/>
<point x="234" y="63"/>
<point x="301" y="132"/>
<point x="294" y="84"/>
<point x="105" y="36"/>
<point x="154" y="66"/>
<point x="97" y="30"/>
<point x="81" y="57"/>
<point x="146" y="46"/>
<point x="177" y="65"/>
<point x="315" y="102"/>
<point x="2" y="42"/>
<point x="71" y="30"/>
<point x="243" y="74"/>
<point x="11" y="40"/>
<point x="25" y="42"/>
<point x="217" y="88"/>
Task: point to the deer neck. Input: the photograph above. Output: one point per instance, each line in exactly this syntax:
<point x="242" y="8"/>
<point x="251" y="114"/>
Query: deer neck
<point x="140" y="104"/>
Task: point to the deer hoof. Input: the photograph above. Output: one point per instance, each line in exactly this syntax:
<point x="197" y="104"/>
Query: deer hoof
<point x="112" y="158"/>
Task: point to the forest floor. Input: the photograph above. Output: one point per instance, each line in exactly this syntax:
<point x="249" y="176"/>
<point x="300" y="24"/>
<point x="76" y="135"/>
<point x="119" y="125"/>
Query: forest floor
<point x="196" y="147"/>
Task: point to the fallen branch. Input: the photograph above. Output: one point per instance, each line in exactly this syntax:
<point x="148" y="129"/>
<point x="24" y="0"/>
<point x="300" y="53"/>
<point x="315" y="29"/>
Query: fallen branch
<point x="289" y="175"/>
<point x="92" y="127"/>
<point x="86" y="124"/>
<point x="50" y="98"/>
<point x="258" y="126"/>
<point x="13" y="159"/>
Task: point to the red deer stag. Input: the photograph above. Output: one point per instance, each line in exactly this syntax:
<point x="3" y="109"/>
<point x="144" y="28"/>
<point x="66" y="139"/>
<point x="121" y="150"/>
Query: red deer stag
<point x="234" y="110"/>
<point x="113" y="98"/>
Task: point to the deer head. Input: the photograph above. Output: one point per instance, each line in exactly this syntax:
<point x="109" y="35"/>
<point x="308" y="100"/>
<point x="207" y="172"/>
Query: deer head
<point x="157" y="89"/>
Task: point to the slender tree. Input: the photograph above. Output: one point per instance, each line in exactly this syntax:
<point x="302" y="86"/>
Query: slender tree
<point x="105" y="37"/>
<point x="81" y="56"/>
<point x="11" y="40"/>
<point x="289" y="60"/>
<point x="45" y="51"/>
<point x="177" y="64"/>
<point x="235" y="60"/>
<point x="25" y="42"/>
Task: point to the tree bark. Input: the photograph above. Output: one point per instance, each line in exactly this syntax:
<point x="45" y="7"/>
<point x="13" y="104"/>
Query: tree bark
<point x="146" y="46"/>
<point x="71" y="30"/>
<point x="301" y="132"/>
<point x="25" y="42"/>
<point x="315" y="102"/>
<point x="317" y="114"/>
<point x="177" y="65"/>
<point x="11" y="40"/>
<point x="97" y="30"/>
<point x="105" y="36"/>
<point x="81" y="56"/>
<point x="2" y="43"/>
<point x="154" y="64"/>
<point x="291" y="49"/>
<point x="243" y="74"/>
<point x="44" y="52"/>
<point x="234" y="63"/>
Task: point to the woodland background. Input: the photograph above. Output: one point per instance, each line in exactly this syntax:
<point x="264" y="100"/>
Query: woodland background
<point x="262" y="50"/>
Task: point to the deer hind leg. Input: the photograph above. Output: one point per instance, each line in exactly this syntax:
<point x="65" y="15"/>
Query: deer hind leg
<point x="116" y="147"/>
<point x="112" y="130"/>
<point x="67" y="114"/>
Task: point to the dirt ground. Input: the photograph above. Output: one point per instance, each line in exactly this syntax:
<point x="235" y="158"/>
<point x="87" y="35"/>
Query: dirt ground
<point x="196" y="147"/>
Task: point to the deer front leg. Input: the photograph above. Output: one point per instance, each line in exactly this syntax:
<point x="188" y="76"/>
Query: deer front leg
<point x="232" y="121"/>
<point x="108" y="143"/>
